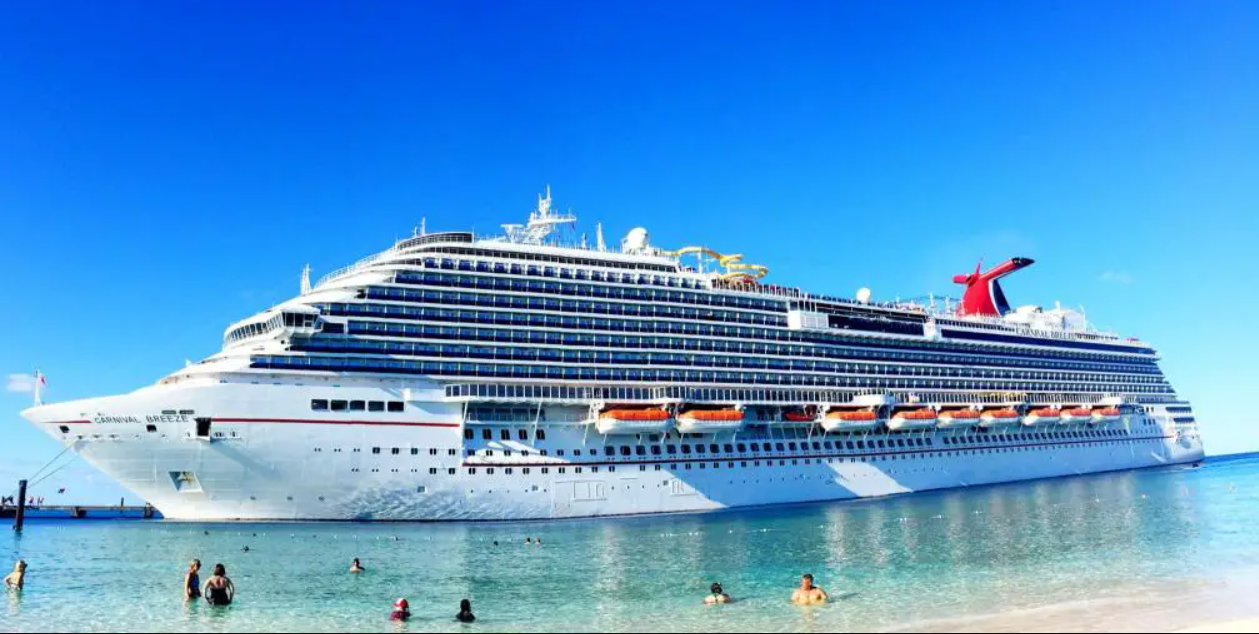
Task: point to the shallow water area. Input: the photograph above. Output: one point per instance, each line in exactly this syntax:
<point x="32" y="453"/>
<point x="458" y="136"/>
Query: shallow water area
<point x="1164" y="549"/>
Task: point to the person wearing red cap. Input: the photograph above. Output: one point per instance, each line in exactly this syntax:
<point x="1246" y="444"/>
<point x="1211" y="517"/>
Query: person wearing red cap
<point x="401" y="610"/>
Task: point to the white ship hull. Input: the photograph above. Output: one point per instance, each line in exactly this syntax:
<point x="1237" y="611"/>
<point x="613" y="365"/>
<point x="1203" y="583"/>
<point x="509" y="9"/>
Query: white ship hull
<point x="269" y="457"/>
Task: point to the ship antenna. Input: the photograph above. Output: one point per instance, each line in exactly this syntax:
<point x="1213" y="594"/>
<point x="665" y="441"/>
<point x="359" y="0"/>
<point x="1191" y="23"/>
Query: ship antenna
<point x="306" y="279"/>
<point x="599" y="237"/>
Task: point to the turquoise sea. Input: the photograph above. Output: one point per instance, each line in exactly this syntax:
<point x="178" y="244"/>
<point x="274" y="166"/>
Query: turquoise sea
<point x="1162" y="549"/>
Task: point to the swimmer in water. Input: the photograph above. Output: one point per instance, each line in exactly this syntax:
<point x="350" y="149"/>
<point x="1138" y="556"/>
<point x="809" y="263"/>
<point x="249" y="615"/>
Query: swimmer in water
<point x="465" y="612"/>
<point x="528" y="541"/>
<point x="219" y="590"/>
<point x="809" y="594"/>
<point x="356" y="567"/>
<point x="401" y="611"/>
<point x="16" y="580"/>
<point x="192" y="581"/>
<point x="716" y="595"/>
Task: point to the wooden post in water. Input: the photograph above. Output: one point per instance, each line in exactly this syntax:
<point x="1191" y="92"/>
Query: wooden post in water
<point x="20" y="518"/>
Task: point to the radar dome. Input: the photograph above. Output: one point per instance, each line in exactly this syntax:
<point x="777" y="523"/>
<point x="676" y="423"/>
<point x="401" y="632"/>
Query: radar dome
<point x="636" y="240"/>
<point x="863" y="295"/>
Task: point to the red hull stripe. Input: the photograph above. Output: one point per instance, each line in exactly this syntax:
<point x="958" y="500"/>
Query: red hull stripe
<point x="303" y="421"/>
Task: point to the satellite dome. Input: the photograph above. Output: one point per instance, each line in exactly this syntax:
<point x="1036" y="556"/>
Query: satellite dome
<point x="863" y="295"/>
<point x="636" y="240"/>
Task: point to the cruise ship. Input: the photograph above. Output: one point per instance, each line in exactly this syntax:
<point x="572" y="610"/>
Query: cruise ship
<point x="535" y="375"/>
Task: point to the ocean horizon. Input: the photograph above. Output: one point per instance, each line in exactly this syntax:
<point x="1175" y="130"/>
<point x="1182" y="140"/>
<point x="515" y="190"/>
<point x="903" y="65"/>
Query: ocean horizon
<point x="1161" y="549"/>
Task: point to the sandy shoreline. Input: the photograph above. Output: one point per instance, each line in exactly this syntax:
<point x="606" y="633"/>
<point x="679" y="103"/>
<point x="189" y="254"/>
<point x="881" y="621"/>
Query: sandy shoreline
<point x="1245" y="625"/>
<point x="1188" y="606"/>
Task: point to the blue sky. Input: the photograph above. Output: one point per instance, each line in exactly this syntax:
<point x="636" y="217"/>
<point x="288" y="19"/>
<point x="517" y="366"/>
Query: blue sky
<point x="168" y="168"/>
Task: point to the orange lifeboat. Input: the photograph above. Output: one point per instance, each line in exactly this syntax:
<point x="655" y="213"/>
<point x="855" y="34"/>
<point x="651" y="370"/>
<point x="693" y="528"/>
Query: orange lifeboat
<point x="913" y="420"/>
<point x="1107" y="415"/>
<point x="999" y="418"/>
<point x="706" y="421"/>
<point x="798" y="417"/>
<point x="1077" y="415"/>
<point x="850" y="420"/>
<point x="959" y="418"/>
<point x="1042" y="416"/>
<point x="633" y="420"/>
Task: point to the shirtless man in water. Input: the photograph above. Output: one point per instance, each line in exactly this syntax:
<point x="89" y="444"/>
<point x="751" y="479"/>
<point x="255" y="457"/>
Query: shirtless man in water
<point x="809" y="594"/>
<point x="17" y="579"/>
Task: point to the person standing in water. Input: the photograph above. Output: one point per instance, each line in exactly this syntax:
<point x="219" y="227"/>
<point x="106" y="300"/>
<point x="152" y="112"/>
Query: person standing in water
<point x="219" y="590"/>
<point x="356" y="567"/>
<point x="16" y="580"/>
<point x="465" y="612"/>
<point x="716" y="595"/>
<point x="192" y="581"/>
<point x="809" y="594"/>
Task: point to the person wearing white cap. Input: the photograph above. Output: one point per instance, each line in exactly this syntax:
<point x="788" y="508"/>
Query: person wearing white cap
<point x="401" y="610"/>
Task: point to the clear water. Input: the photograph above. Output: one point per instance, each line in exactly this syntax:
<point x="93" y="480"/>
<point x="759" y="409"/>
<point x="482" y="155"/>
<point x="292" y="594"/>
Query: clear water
<point x="1159" y="549"/>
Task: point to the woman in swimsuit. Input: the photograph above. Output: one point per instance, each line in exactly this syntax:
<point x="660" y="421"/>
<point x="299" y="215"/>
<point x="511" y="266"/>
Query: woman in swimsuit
<point x="192" y="581"/>
<point x="219" y="590"/>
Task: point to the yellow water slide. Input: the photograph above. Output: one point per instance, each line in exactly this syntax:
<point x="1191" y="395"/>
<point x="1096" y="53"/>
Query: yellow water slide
<point x="733" y="264"/>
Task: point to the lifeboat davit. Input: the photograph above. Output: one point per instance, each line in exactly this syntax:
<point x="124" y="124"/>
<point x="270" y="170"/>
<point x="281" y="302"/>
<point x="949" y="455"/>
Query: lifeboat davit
<point x="1107" y="415"/>
<point x="959" y="418"/>
<point x="913" y="420"/>
<point x="999" y="418"/>
<point x="1077" y="415"/>
<point x="634" y="421"/>
<point x="1042" y="416"/>
<point x="850" y="420"/>
<point x="707" y="421"/>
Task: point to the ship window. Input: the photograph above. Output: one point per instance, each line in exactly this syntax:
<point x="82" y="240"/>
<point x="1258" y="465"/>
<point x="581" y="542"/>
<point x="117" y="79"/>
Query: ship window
<point x="756" y="447"/>
<point x="655" y="450"/>
<point x="640" y="450"/>
<point x="339" y="406"/>
<point x="625" y="450"/>
<point x="715" y="449"/>
<point x="779" y="446"/>
<point x="487" y="434"/>
<point x="358" y="406"/>
<point x="504" y="434"/>
<point x="152" y="429"/>
<point x="699" y="449"/>
<point x="376" y="450"/>
<point x="397" y="406"/>
<point x="376" y="406"/>
<point x="203" y="428"/>
<point x="686" y="449"/>
<point x="541" y="434"/>
<point x="66" y="430"/>
<point x="319" y="405"/>
<point x="467" y="434"/>
<point x="396" y="451"/>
